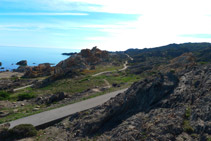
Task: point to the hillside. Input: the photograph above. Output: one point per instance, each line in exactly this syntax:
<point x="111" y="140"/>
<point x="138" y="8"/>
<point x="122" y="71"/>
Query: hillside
<point x="170" y="105"/>
<point x="168" y="96"/>
<point x="147" y="59"/>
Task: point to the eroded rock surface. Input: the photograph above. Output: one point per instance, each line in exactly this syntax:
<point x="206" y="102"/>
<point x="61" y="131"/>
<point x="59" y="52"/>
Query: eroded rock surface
<point x="172" y="105"/>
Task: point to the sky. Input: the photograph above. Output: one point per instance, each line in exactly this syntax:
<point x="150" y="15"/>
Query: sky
<point x="109" y="24"/>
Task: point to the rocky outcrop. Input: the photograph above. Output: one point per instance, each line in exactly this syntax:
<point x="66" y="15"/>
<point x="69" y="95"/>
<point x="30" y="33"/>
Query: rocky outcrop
<point x="83" y="60"/>
<point x="75" y="64"/>
<point x="49" y="99"/>
<point x="171" y="105"/>
<point x="22" y="66"/>
<point x="69" y="54"/>
<point x="185" y="61"/>
<point x="39" y="71"/>
<point x="22" y="63"/>
<point x="21" y="69"/>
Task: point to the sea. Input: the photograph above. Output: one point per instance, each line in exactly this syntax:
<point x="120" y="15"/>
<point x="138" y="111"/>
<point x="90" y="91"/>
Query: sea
<point x="9" y="56"/>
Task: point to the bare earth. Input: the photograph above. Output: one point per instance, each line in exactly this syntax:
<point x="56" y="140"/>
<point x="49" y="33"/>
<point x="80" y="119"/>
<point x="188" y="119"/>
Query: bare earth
<point x="10" y="74"/>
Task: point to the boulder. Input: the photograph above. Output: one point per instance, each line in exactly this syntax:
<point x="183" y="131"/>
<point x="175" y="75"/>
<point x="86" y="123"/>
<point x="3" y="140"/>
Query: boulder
<point x="49" y="99"/>
<point x="22" y="63"/>
<point x="57" y="97"/>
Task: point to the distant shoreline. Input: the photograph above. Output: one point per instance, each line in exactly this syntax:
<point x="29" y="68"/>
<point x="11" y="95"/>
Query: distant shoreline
<point x="69" y="54"/>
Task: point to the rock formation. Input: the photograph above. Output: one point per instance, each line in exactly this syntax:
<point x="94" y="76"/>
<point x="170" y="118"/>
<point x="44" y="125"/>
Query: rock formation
<point x="38" y="71"/>
<point x="170" y="105"/>
<point x="22" y="63"/>
<point x="83" y="60"/>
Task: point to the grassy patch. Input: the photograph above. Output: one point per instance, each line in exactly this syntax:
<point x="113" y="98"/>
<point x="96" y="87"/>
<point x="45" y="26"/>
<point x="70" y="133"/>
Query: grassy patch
<point x="186" y="123"/>
<point x="25" y="96"/>
<point x="4" y="95"/>
<point x="22" y="112"/>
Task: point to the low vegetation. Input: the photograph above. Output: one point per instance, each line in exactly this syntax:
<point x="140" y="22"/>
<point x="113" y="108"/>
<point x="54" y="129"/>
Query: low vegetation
<point x="186" y="123"/>
<point x="26" y="96"/>
<point x="71" y="86"/>
<point x="18" y="132"/>
<point x="4" y="95"/>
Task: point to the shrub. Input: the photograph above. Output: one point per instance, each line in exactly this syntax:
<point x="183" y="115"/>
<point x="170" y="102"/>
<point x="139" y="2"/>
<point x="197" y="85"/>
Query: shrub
<point x="22" y="131"/>
<point x="4" y="133"/>
<point x="25" y="96"/>
<point x="187" y="127"/>
<point x="4" y="95"/>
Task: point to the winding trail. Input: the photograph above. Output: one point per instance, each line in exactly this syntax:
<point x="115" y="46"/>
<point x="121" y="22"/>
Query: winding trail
<point x="125" y="66"/>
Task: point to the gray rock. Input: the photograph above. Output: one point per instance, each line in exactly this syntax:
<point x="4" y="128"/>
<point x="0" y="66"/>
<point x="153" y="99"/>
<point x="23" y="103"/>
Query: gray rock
<point x="165" y="106"/>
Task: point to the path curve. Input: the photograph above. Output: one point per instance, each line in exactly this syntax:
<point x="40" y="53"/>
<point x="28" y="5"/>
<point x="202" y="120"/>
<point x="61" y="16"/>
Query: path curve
<point x="125" y="66"/>
<point x="60" y="113"/>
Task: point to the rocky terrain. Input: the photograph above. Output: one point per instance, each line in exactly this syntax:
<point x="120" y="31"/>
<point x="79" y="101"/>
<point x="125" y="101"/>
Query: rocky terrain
<point x="170" y="105"/>
<point x="10" y="84"/>
<point x="148" y="59"/>
<point x="170" y="101"/>
<point x="86" y="59"/>
<point x="83" y="60"/>
<point x="38" y="71"/>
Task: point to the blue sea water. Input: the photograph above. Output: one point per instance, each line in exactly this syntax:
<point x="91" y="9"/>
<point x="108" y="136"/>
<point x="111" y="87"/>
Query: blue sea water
<point x="9" y="56"/>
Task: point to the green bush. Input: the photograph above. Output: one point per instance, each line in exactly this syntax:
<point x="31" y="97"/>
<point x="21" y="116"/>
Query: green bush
<point x="22" y="131"/>
<point x="4" y="95"/>
<point x="18" y="132"/>
<point x="25" y="96"/>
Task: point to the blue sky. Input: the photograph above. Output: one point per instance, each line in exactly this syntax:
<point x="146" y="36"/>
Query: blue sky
<point x="108" y="24"/>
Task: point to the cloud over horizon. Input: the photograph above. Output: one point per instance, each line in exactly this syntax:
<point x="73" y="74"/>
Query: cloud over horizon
<point x="111" y="25"/>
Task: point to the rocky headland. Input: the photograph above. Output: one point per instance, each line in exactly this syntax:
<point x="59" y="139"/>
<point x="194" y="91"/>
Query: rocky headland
<point x="173" y="104"/>
<point x="69" y="54"/>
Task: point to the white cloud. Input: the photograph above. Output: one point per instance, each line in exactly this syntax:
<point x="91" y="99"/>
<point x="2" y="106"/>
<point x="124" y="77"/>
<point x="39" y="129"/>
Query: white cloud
<point x="154" y="7"/>
<point x="162" y="21"/>
<point x="44" y="14"/>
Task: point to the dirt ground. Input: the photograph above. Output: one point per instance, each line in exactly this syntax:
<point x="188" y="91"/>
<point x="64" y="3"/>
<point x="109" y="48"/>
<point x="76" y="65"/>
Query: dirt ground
<point x="10" y="74"/>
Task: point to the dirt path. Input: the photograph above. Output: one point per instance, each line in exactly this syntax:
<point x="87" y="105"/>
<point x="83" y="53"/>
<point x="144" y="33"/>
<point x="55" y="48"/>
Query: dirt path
<point x="17" y="89"/>
<point x="108" y="85"/>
